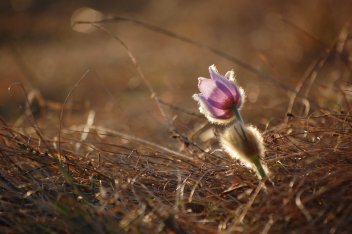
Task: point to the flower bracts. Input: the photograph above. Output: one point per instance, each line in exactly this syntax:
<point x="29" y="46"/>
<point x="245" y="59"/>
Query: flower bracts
<point x="245" y="143"/>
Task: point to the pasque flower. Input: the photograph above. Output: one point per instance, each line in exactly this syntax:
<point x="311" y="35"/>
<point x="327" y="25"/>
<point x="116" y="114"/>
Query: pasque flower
<point x="220" y="97"/>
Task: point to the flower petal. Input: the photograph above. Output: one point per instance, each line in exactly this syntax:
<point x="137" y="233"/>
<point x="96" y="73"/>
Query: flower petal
<point x="214" y="74"/>
<point x="242" y="97"/>
<point x="228" y="81"/>
<point x="210" y="111"/>
<point x="216" y="93"/>
<point x="230" y="75"/>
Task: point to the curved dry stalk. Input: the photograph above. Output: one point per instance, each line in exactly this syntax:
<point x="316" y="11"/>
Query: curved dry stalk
<point x="34" y="124"/>
<point x="139" y="71"/>
<point x="63" y="107"/>
<point x="227" y="56"/>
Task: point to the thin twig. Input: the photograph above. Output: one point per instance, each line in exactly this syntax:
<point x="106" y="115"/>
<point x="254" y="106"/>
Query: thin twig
<point x="63" y="108"/>
<point x="213" y="50"/>
<point x="34" y="124"/>
<point x="139" y="70"/>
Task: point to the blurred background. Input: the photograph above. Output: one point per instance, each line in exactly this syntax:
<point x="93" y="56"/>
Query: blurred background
<point x="40" y="47"/>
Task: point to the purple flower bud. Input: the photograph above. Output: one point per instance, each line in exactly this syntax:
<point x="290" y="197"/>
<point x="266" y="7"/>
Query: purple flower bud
<point x="219" y="96"/>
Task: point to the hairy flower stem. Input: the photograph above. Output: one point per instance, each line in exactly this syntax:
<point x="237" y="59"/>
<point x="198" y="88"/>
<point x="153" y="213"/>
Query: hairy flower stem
<point x="238" y="115"/>
<point x="259" y="167"/>
<point x="255" y="159"/>
<point x="240" y="120"/>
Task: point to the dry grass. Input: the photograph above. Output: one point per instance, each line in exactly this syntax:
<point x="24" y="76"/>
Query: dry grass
<point x="103" y="187"/>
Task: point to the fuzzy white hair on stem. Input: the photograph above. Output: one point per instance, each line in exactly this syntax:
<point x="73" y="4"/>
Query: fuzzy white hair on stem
<point x="245" y="145"/>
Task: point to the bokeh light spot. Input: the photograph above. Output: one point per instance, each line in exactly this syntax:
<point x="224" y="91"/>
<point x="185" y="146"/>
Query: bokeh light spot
<point x="85" y="14"/>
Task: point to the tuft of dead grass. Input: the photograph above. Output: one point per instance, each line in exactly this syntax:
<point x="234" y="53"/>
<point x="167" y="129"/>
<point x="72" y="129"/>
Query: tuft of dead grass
<point x="110" y="185"/>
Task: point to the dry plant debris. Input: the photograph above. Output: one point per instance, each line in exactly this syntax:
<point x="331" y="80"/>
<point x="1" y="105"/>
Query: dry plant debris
<point x="106" y="187"/>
